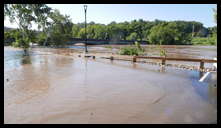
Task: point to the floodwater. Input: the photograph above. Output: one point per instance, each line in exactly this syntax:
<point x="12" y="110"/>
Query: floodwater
<point x="50" y="88"/>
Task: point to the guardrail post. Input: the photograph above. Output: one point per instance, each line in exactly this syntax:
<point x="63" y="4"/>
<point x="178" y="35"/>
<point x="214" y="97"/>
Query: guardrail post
<point x="201" y="65"/>
<point x="111" y="58"/>
<point x="134" y="59"/>
<point x="163" y="61"/>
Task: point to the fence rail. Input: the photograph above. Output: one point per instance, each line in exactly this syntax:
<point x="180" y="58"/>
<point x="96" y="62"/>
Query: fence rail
<point x="163" y="59"/>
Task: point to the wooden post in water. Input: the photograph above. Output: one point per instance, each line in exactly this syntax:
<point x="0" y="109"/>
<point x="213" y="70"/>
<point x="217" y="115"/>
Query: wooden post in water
<point x="134" y="59"/>
<point x="201" y="65"/>
<point x="111" y="58"/>
<point x="163" y="61"/>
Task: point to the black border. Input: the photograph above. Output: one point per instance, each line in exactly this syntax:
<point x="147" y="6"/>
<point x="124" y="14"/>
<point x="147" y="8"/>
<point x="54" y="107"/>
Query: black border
<point x="116" y="1"/>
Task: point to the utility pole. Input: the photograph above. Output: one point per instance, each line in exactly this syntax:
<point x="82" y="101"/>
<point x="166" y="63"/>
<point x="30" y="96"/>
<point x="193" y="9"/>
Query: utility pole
<point x="85" y="11"/>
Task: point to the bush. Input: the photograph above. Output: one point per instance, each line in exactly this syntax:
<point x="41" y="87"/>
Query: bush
<point x="204" y="41"/>
<point x="132" y="50"/>
<point x="20" y="42"/>
<point x="108" y="47"/>
<point x="163" y="52"/>
<point x="16" y="44"/>
<point x="128" y="51"/>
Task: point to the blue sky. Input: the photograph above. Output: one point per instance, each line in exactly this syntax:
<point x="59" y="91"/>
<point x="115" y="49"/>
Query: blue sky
<point x="105" y="13"/>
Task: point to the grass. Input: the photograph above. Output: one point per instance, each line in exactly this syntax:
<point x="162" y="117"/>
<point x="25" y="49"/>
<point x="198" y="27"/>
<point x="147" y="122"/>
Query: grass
<point x="204" y="41"/>
<point x="108" y="47"/>
<point x="132" y="50"/>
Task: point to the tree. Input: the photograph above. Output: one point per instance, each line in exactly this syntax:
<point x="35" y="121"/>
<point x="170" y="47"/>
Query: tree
<point x="136" y="26"/>
<point x="133" y="36"/>
<point x="75" y="31"/>
<point x="180" y="36"/>
<point x="114" y="32"/>
<point x="81" y="33"/>
<point x="24" y="15"/>
<point x="43" y="20"/>
<point x="42" y="38"/>
<point x="100" y="32"/>
<point x="124" y="30"/>
<point x="168" y="33"/>
<point x="60" y="30"/>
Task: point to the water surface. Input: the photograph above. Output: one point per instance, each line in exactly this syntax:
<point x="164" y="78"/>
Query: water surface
<point x="49" y="88"/>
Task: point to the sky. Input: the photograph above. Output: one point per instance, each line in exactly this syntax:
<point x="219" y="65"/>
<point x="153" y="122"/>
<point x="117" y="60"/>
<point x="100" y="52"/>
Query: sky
<point x="106" y="13"/>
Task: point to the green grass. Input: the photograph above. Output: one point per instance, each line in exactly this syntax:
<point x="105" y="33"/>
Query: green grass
<point x="132" y="50"/>
<point x="108" y="47"/>
<point x="204" y="41"/>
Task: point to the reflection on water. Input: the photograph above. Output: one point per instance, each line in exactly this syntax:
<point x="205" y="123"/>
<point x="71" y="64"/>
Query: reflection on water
<point x="60" y="89"/>
<point x="207" y="89"/>
<point x="26" y="59"/>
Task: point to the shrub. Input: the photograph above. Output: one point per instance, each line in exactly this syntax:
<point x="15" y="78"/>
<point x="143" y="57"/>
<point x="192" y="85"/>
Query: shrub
<point x="20" y="42"/>
<point x="108" y="47"/>
<point x="132" y="50"/>
<point x="129" y="51"/>
<point x="204" y="41"/>
<point x="163" y="52"/>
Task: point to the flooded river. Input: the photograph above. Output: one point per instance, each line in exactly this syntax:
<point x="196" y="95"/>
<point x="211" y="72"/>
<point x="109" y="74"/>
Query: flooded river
<point x="51" y="88"/>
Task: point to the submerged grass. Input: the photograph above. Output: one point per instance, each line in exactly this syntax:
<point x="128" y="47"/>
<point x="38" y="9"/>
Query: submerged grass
<point x="135" y="49"/>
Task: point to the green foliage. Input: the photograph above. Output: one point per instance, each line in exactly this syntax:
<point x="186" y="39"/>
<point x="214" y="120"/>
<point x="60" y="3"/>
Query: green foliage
<point x="138" y="46"/>
<point x="56" y="28"/>
<point x="132" y="36"/>
<point x="100" y="32"/>
<point x="162" y="51"/>
<point x="75" y="31"/>
<point x="204" y="40"/>
<point x="57" y="39"/>
<point x="23" y="15"/>
<point x="176" y="32"/>
<point x="82" y="33"/>
<point x="21" y="42"/>
<point x="41" y="38"/>
<point x="60" y="30"/>
<point x="128" y="51"/>
<point x="168" y="33"/>
<point x="132" y="50"/>
<point x="108" y="47"/>
<point x="8" y="38"/>
<point x="137" y="27"/>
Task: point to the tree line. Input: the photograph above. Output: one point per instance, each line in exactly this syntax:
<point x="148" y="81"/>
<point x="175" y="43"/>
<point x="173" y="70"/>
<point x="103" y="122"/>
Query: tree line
<point x="56" y="29"/>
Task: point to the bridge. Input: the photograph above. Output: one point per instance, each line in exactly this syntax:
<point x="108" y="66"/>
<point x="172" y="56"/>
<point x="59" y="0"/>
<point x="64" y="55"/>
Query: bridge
<point x="102" y="42"/>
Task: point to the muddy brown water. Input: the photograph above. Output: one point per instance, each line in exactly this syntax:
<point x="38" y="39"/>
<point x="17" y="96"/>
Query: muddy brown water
<point x="50" y="88"/>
